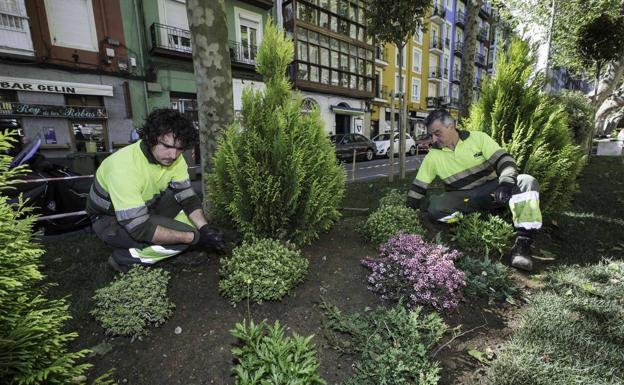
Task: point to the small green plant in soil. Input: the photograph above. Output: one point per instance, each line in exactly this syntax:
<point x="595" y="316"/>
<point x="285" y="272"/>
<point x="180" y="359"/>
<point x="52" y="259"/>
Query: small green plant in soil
<point x="133" y="302"/>
<point x="265" y="355"/>
<point x="394" y="344"/>
<point x="261" y="270"/>
<point x="572" y="333"/>
<point x="389" y="220"/>
<point x="485" y="278"/>
<point x="393" y="198"/>
<point x="479" y="237"/>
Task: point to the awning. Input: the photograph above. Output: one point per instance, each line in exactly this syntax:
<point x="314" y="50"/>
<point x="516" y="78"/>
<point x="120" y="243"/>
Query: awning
<point x="347" y="110"/>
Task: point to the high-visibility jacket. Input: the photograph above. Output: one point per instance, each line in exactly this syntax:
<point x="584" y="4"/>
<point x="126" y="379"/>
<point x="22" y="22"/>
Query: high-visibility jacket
<point x="130" y="182"/>
<point x="477" y="159"/>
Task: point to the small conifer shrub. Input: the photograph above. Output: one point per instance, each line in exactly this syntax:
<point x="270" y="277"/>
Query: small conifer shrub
<point x="134" y="302"/>
<point x="416" y="271"/>
<point x="275" y="172"/>
<point x="33" y="342"/>
<point x="261" y="270"/>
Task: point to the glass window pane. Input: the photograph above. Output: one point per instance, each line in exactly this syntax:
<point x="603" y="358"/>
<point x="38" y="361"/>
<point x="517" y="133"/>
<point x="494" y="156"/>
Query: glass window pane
<point x="334" y="44"/>
<point x="369" y="68"/>
<point x="324" y="76"/>
<point x="302" y="34"/>
<point x="334" y="59"/>
<point x="325" y="57"/>
<point x="343" y="27"/>
<point x="302" y="71"/>
<point x="352" y="65"/>
<point x="361" y="66"/>
<point x="313" y="54"/>
<point x="324" y="20"/>
<point x="334" y="78"/>
<point x="344" y="62"/>
<point x="353" y="11"/>
<point x="344" y="80"/>
<point x="352" y="50"/>
<point x="333" y="5"/>
<point x="313" y="37"/>
<point x="324" y="40"/>
<point x="333" y="24"/>
<point x="352" y="31"/>
<point x="325" y="4"/>
<point x="302" y="51"/>
<point x="344" y="47"/>
<point x="353" y="82"/>
<point x="314" y="74"/>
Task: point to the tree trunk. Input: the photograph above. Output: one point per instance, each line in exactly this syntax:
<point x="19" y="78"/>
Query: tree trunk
<point x="391" y="139"/>
<point x="614" y="102"/>
<point x="402" y="116"/>
<point x="213" y="75"/>
<point x="468" y="59"/>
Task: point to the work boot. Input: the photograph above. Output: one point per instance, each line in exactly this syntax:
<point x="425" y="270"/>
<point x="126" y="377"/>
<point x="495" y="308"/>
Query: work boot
<point x="521" y="254"/>
<point x="121" y="269"/>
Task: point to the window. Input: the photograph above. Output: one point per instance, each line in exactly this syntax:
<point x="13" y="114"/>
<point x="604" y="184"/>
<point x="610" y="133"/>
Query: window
<point x="418" y="35"/>
<point x="415" y="90"/>
<point x="325" y="57"/>
<point x="72" y="24"/>
<point x="396" y="61"/>
<point x="10" y="15"/>
<point x="248" y="33"/>
<point x="433" y="90"/>
<point x="416" y="60"/>
<point x="302" y="51"/>
<point x="313" y="54"/>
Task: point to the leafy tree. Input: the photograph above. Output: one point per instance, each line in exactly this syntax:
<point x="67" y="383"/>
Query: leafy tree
<point x="276" y="174"/>
<point x="580" y="113"/>
<point x="33" y="344"/>
<point x="530" y="126"/>
<point x="396" y="21"/>
<point x="213" y="74"/>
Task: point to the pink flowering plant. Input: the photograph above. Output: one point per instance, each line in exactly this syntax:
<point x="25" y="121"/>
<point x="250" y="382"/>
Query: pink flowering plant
<point x="420" y="272"/>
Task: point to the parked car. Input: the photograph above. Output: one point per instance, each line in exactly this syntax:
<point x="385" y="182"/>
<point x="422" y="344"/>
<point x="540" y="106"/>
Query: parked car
<point x="382" y="143"/>
<point x="424" y="142"/>
<point x="345" y="144"/>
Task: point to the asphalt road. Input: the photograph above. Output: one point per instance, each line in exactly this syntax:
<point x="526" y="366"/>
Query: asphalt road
<point x="379" y="168"/>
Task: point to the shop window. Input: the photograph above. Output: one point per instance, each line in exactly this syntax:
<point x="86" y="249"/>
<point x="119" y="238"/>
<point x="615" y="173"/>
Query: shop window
<point x="90" y="136"/>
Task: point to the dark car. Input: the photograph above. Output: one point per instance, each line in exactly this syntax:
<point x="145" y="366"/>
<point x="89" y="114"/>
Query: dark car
<point x="345" y="144"/>
<point x="423" y="142"/>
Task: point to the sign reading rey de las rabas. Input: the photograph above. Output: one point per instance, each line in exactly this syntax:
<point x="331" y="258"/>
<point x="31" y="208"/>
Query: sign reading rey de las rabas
<point x="12" y="109"/>
<point x="38" y="85"/>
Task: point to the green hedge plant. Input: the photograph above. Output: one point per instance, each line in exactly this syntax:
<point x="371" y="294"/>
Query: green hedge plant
<point x="134" y="302"/>
<point x="267" y="356"/>
<point x="393" y="198"/>
<point x="275" y="172"/>
<point x="33" y="342"/>
<point x="261" y="270"/>
<point x="486" y="279"/>
<point x="481" y="237"/>
<point x="389" y="220"/>
<point x="533" y="128"/>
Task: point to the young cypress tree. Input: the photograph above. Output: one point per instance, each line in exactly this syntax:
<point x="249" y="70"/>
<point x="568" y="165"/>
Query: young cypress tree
<point x="33" y="346"/>
<point x="532" y="127"/>
<point x="275" y="172"/>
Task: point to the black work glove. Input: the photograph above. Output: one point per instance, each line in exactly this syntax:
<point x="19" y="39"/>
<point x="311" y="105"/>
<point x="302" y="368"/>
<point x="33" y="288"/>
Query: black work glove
<point x="412" y="203"/>
<point x="502" y="194"/>
<point x="211" y="239"/>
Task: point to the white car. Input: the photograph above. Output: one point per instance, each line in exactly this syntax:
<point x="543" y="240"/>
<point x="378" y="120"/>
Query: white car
<point x="382" y="141"/>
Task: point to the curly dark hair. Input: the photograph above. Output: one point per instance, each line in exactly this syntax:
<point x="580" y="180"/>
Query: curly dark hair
<point x="163" y="121"/>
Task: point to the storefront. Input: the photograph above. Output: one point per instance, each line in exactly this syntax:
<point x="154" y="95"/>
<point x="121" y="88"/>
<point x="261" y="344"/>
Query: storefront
<point x="70" y="117"/>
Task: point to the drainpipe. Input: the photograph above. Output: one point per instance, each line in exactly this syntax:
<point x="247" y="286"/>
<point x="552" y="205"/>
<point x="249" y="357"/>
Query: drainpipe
<point x="139" y="26"/>
<point x="278" y="14"/>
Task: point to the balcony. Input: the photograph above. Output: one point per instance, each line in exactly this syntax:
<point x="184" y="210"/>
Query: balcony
<point x="445" y="73"/>
<point x="171" y="41"/>
<point x="433" y="102"/>
<point x="459" y="48"/>
<point x="436" y="45"/>
<point x="243" y="54"/>
<point x="381" y="57"/>
<point x="381" y="94"/>
<point x="438" y="14"/>
<point x="444" y="101"/>
<point x="480" y="60"/>
<point x="15" y="39"/>
<point x="454" y="103"/>
<point x="460" y="20"/>
<point x="456" y="76"/>
<point x="482" y="36"/>
<point x="435" y="75"/>
<point x="447" y="43"/>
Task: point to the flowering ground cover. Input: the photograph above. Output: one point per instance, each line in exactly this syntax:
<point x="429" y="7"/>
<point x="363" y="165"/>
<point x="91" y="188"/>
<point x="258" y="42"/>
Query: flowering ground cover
<point x="194" y="345"/>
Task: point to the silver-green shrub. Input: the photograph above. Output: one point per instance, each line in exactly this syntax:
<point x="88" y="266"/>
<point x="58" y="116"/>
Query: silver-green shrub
<point x="393" y="198"/>
<point x="389" y="220"/>
<point x="134" y="302"/>
<point x="261" y="270"/>
<point x="481" y="237"/>
<point x="275" y="172"/>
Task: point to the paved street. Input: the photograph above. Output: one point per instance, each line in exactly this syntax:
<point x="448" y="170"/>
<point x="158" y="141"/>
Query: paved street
<point x="378" y="168"/>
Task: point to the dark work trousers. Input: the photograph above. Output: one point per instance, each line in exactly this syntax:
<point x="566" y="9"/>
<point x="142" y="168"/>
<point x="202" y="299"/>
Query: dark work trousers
<point x="127" y="250"/>
<point x="445" y="206"/>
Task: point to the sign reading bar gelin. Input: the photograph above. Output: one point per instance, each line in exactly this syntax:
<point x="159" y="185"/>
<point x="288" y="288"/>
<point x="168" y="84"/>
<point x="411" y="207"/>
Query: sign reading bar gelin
<point x="37" y="85"/>
<point x="42" y="110"/>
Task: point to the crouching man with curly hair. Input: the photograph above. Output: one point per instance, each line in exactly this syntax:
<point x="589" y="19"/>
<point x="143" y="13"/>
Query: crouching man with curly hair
<point x="141" y="201"/>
